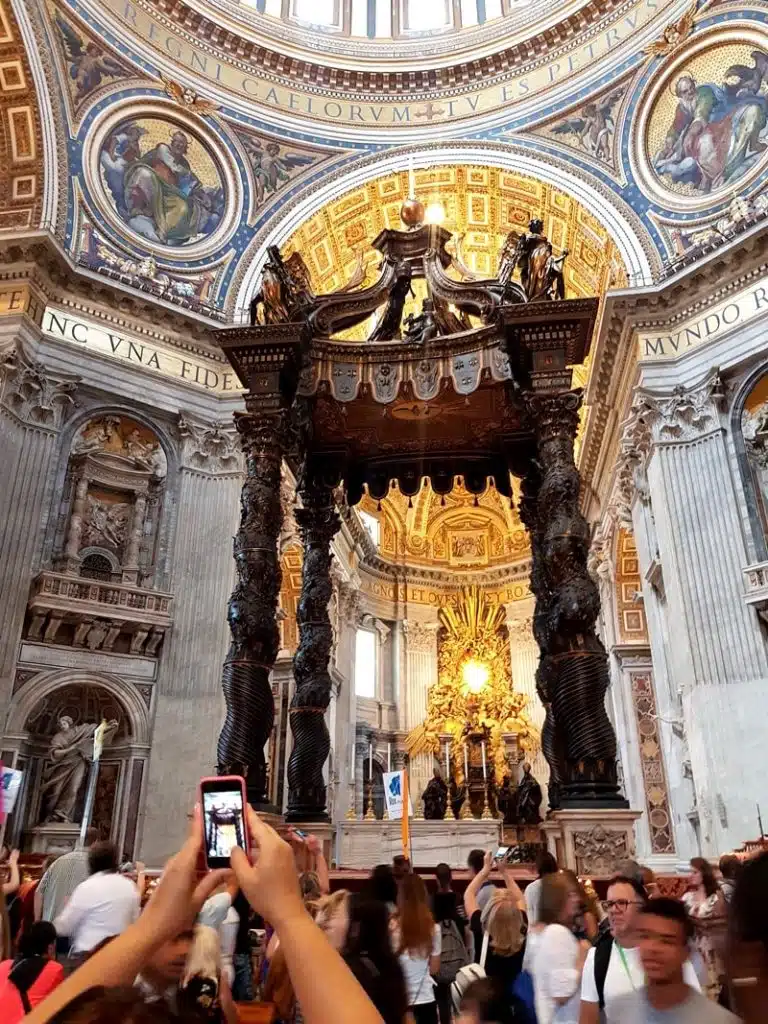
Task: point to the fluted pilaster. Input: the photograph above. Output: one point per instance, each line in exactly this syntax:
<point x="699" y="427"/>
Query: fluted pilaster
<point x="716" y="656"/>
<point x="524" y="662"/>
<point x="189" y="702"/>
<point x="33" y="407"/>
<point x="421" y="674"/>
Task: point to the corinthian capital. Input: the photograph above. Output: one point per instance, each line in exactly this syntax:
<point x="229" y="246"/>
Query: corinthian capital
<point x="211" y="447"/>
<point x="684" y="415"/>
<point x="520" y="629"/>
<point x="34" y="395"/>
<point x="421" y="637"/>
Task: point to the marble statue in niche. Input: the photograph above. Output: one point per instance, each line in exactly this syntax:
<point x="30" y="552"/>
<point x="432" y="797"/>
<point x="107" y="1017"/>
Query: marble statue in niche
<point x="70" y="753"/>
<point x="161" y="181"/>
<point x="754" y="428"/>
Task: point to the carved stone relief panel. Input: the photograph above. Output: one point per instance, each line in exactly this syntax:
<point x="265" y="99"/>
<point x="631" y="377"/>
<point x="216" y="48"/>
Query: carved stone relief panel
<point x="599" y="849"/>
<point x="652" y="761"/>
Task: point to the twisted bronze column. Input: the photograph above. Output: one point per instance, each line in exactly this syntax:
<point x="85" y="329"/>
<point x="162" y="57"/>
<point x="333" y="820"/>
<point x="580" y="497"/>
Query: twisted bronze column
<point x="253" y="605"/>
<point x="318" y="523"/>
<point x="573" y="676"/>
<point x="551" y="737"/>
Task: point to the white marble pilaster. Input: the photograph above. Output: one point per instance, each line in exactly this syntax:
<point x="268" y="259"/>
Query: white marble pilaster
<point x="715" y="654"/>
<point x="421" y="674"/>
<point x="524" y="661"/>
<point x="33" y="406"/>
<point x="189" y="703"/>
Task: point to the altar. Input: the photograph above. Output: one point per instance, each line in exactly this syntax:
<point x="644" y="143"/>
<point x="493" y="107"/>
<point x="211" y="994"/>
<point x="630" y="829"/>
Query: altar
<point x="361" y="844"/>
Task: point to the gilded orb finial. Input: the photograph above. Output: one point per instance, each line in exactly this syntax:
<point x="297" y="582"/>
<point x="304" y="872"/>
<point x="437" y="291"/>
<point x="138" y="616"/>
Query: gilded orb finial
<point x="412" y="213"/>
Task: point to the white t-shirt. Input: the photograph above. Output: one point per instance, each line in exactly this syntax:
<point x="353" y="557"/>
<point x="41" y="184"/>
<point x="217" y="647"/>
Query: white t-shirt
<point x="228" y="937"/>
<point x="102" y="906"/>
<point x="620" y="981"/>
<point x="418" y="980"/>
<point x="553" y="965"/>
<point x="532" y="896"/>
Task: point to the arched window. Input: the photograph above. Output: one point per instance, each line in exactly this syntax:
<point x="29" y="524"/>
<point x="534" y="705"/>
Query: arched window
<point x="366" y="662"/>
<point x="96" y="567"/>
<point x="318" y="12"/>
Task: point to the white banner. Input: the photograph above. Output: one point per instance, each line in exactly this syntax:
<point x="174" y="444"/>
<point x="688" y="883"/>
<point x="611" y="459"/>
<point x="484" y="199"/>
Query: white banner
<point x="11" y="784"/>
<point x="393" y="794"/>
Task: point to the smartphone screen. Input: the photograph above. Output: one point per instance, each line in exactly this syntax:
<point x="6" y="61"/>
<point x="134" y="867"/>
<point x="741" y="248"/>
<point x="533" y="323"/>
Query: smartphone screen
<point x="500" y="854"/>
<point x="223" y="819"/>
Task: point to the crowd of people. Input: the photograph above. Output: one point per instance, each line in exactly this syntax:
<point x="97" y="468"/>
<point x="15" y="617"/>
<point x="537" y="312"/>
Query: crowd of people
<point x="91" y="942"/>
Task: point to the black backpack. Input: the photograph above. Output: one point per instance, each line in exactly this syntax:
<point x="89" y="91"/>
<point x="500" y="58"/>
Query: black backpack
<point x="603" y="949"/>
<point x="24" y="974"/>
<point x="453" y="952"/>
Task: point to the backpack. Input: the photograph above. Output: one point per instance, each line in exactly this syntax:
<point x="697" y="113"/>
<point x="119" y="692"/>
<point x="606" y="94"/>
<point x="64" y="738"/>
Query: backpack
<point x="466" y="975"/>
<point x="602" y="960"/>
<point x="453" y="952"/>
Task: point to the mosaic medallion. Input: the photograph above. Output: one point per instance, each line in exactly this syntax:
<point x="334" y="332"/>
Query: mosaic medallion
<point x="704" y="129"/>
<point x="161" y="181"/>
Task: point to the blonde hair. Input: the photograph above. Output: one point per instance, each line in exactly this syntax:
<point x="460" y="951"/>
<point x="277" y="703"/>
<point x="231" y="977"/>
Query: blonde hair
<point x="327" y="906"/>
<point x="503" y="922"/>
<point x="204" y="958"/>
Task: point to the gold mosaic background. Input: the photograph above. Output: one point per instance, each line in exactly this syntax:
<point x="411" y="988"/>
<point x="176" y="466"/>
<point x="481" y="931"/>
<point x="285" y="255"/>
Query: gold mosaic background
<point x="482" y="204"/>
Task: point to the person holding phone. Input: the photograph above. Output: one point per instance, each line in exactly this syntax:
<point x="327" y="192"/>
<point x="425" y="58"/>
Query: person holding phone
<point x="325" y="986"/>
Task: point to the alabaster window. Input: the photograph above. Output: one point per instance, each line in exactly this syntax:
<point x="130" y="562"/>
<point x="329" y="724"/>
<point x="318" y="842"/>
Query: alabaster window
<point x="418" y="16"/>
<point x="385" y="19"/>
<point x="366" y="662"/>
<point x="318" y="12"/>
<point x="371" y="524"/>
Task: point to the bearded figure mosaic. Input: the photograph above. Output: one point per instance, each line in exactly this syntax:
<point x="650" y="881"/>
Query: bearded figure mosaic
<point x="161" y="181"/>
<point x="710" y="127"/>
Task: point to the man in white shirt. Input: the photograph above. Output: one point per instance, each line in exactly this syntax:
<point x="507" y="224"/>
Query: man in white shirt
<point x="102" y="906"/>
<point x="613" y="967"/>
<point x="664" y="932"/>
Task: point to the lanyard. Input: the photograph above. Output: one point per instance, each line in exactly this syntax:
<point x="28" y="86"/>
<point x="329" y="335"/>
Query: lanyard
<point x="623" y="958"/>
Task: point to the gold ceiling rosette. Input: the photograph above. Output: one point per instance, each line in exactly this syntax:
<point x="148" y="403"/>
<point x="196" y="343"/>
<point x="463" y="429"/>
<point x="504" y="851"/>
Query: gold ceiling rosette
<point x="474" y="690"/>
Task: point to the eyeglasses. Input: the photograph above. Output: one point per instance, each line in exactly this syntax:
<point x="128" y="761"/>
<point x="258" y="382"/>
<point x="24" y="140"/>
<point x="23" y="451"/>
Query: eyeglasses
<point x="621" y="904"/>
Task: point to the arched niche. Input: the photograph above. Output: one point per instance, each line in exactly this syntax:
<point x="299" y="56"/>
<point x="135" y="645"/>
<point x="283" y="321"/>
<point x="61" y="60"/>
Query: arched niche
<point x="112" y="499"/>
<point x="750" y="430"/>
<point x="34" y="718"/>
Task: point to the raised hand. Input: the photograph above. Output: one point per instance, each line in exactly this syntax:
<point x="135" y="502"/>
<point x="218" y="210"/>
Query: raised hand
<point x="270" y="883"/>
<point x="178" y="896"/>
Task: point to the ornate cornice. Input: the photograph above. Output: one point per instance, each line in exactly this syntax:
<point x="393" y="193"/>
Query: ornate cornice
<point x="415" y="82"/>
<point x="39" y="259"/>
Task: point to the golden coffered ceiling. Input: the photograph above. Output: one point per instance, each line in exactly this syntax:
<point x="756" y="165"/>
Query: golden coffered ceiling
<point x="452" y="533"/>
<point x="481" y="205"/>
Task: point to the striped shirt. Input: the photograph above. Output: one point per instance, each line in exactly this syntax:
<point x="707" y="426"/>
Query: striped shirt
<point x="60" y="881"/>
